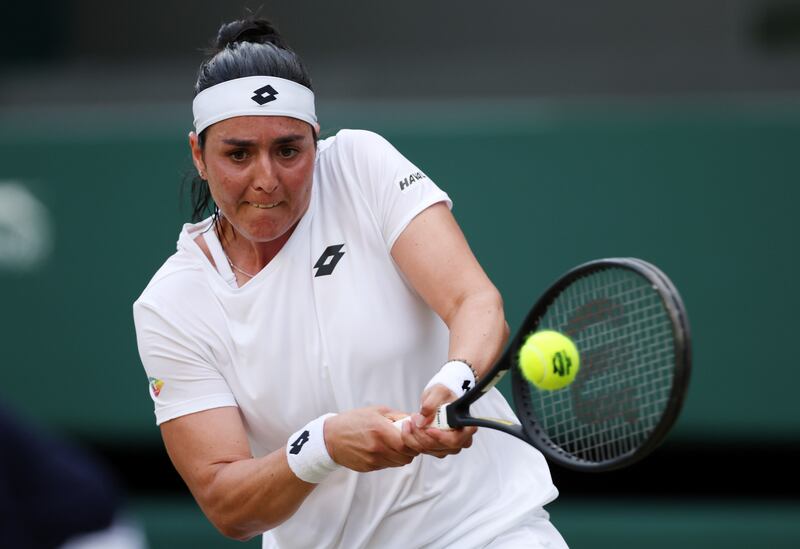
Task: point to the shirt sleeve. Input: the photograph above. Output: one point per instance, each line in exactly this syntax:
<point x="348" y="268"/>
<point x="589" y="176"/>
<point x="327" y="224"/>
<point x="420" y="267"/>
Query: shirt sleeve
<point x="395" y="189"/>
<point x="181" y="380"/>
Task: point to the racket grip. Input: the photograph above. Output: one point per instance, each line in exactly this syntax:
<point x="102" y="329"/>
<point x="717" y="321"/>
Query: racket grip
<point x="439" y="420"/>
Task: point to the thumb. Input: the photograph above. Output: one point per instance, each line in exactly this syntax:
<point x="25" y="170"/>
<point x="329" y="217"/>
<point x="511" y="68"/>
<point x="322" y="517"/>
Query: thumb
<point x="428" y="407"/>
<point x="420" y="420"/>
<point x="432" y="399"/>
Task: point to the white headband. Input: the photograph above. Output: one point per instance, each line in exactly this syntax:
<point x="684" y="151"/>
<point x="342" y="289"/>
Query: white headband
<point x="253" y="95"/>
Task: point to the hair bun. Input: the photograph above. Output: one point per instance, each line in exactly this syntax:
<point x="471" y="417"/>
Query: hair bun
<point x="259" y="31"/>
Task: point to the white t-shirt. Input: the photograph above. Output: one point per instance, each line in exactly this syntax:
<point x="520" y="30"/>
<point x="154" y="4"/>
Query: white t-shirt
<point x="329" y="325"/>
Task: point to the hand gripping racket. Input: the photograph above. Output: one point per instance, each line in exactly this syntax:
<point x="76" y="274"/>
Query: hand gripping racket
<point x="630" y="328"/>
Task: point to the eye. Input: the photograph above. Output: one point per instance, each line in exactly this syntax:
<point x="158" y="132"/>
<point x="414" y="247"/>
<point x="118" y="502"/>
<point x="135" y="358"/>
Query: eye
<point x="287" y="152"/>
<point x="238" y="155"/>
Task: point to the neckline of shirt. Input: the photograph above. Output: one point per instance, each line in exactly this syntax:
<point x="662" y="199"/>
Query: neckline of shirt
<point x="191" y="231"/>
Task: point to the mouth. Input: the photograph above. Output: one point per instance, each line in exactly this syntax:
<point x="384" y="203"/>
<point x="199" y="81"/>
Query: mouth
<point x="264" y="206"/>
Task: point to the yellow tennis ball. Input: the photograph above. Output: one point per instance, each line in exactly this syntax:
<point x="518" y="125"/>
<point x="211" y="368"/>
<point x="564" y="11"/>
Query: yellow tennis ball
<point x="549" y="360"/>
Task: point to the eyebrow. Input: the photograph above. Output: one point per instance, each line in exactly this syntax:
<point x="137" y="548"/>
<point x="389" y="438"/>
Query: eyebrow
<point x="250" y="143"/>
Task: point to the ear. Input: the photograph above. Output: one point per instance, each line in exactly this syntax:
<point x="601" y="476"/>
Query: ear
<point x="197" y="155"/>
<point x="316" y="128"/>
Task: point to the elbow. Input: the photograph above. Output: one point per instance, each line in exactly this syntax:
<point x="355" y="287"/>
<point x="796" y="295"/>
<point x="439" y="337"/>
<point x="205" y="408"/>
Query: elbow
<point x="232" y="530"/>
<point x="233" y="534"/>
<point x="231" y="519"/>
<point x="505" y="330"/>
<point x="490" y="301"/>
<point x="497" y="301"/>
<point x="241" y="515"/>
<point x="237" y="536"/>
<point x="228" y="519"/>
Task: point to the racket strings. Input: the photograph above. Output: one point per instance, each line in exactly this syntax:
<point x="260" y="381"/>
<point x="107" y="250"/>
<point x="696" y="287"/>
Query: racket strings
<point x="624" y="335"/>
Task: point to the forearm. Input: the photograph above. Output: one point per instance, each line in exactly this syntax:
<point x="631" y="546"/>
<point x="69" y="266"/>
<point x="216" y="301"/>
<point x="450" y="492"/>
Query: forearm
<point x="245" y="496"/>
<point x="478" y="329"/>
<point x="250" y="496"/>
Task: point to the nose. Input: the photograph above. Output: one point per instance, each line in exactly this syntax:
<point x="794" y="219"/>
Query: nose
<point x="265" y="177"/>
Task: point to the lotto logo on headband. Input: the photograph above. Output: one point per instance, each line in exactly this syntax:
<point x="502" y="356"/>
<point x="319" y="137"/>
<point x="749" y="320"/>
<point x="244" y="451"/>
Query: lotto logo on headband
<point x="264" y="95"/>
<point x="253" y="96"/>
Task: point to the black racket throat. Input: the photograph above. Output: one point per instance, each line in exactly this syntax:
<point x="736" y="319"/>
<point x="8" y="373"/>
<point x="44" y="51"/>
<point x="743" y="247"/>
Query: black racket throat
<point x="458" y="412"/>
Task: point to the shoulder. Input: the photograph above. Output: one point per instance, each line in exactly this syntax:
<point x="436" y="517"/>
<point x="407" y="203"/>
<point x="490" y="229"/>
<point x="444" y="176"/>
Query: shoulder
<point x="366" y="157"/>
<point x="355" y="145"/>
<point x="180" y="281"/>
<point x="179" y="276"/>
<point x="347" y="138"/>
<point x="174" y="309"/>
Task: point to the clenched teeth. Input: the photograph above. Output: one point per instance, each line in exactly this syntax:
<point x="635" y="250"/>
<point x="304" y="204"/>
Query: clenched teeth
<point x="264" y="206"/>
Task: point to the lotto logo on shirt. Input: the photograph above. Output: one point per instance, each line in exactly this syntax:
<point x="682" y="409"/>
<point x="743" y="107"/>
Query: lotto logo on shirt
<point x="328" y="260"/>
<point x="409" y="180"/>
<point x="155" y="385"/>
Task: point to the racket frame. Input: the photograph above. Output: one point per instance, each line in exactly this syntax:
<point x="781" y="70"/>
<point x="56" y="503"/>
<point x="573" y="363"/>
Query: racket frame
<point x="458" y="414"/>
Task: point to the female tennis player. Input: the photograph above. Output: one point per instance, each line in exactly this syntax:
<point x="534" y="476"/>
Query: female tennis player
<point x="329" y="293"/>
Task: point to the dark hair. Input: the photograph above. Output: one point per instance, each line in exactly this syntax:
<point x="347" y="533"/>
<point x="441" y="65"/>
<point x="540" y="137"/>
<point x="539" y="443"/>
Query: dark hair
<point x="246" y="47"/>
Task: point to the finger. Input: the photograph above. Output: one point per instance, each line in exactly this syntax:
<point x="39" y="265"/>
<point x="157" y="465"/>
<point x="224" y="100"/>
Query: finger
<point x="406" y="450"/>
<point x="427" y="442"/>
<point x="456" y="438"/>
<point x="420" y="420"/>
<point x="384" y="456"/>
<point x="394" y="440"/>
<point x="433" y="398"/>
<point x="397" y="459"/>
<point x="465" y="431"/>
<point x="409" y="438"/>
<point x="420" y="440"/>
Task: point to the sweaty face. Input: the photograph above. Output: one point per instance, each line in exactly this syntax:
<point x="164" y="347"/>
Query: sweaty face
<point x="259" y="171"/>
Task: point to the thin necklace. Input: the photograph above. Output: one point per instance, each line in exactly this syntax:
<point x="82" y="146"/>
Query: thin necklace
<point x="237" y="268"/>
<point x="229" y="259"/>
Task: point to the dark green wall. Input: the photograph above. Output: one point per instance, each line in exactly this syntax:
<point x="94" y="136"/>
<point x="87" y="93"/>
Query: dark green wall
<point x="708" y="192"/>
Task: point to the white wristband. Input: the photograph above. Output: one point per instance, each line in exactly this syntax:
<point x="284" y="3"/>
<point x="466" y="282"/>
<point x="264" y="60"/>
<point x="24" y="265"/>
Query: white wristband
<point x="307" y="454"/>
<point x="456" y="375"/>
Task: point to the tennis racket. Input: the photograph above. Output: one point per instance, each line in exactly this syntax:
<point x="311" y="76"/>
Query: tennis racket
<point x="630" y="327"/>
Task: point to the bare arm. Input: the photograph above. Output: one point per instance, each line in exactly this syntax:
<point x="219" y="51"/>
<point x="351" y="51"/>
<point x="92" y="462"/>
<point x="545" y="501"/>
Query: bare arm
<point x="245" y="496"/>
<point x="241" y="495"/>
<point x="436" y="259"/>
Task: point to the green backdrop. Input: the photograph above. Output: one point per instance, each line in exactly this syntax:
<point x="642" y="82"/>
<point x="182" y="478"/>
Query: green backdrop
<point x="706" y="191"/>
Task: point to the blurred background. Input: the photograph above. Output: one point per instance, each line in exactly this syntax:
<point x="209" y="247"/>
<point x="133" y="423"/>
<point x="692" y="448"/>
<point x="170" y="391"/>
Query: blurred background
<point x="563" y="132"/>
